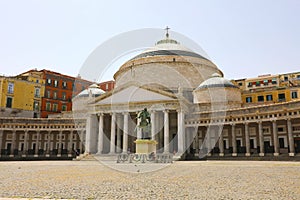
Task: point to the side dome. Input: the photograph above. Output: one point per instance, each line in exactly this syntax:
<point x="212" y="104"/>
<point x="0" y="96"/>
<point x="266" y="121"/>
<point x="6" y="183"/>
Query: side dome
<point x="218" y="90"/>
<point x="216" y="80"/>
<point x="92" y="91"/>
<point x="167" y="64"/>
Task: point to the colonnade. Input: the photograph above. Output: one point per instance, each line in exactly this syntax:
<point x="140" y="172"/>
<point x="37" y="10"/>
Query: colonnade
<point x="122" y="120"/>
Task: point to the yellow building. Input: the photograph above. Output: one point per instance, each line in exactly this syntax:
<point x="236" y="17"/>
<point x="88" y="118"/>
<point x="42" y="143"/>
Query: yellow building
<point x="267" y="89"/>
<point x="21" y="95"/>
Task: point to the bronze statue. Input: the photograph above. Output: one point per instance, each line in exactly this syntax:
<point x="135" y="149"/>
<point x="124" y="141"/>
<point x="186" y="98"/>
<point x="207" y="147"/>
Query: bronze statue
<point x="145" y="123"/>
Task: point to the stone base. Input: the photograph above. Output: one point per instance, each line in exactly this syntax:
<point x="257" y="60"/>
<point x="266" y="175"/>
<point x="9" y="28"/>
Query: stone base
<point x="69" y="155"/>
<point x="35" y="155"/>
<point x="209" y="154"/>
<point x="47" y="155"/>
<point x="291" y="154"/>
<point x="247" y="154"/>
<point x="58" y="155"/>
<point x="11" y="156"/>
<point x="261" y="154"/>
<point x="221" y="154"/>
<point x="23" y="156"/>
<point x="234" y="154"/>
<point x="276" y="154"/>
<point x="144" y="146"/>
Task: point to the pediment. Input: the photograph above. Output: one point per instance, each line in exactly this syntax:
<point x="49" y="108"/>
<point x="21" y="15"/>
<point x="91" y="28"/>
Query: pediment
<point x="134" y="94"/>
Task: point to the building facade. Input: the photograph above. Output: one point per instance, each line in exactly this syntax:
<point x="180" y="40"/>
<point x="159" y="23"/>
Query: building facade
<point x="195" y="113"/>
<point x="21" y="96"/>
<point x="59" y="91"/>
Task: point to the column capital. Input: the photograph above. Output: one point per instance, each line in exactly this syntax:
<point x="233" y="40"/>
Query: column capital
<point x="246" y="123"/>
<point x="100" y="114"/>
<point x="166" y="111"/>
<point x="125" y="113"/>
<point x="232" y="124"/>
<point x="259" y="122"/>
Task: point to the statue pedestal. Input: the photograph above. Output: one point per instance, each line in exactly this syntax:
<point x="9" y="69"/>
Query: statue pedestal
<point x="144" y="146"/>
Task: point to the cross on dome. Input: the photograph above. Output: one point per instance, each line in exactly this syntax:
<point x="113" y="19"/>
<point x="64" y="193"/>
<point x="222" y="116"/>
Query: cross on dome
<point x="167" y="29"/>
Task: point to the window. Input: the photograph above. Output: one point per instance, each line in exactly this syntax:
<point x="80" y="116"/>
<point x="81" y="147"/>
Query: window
<point x="269" y="97"/>
<point x="257" y="83"/>
<point x="281" y="142"/>
<point x="54" y="109"/>
<point x="281" y="97"/>
<point x="55" y="83"/>
<point x="49" y="81"/>
<point x="294" y="95"/>
<point x="249" y="84"/>
<point x="260" y="98"/>
<point x="36" y="106"/>
<point x="240" y="84"/>
<point x="48" y="106"/>
<point x="9" y="102"/>
<point x="248" y="99"/>
<point x="286" y="78"/>
<point x="266" y="82"/>
<point x="106" y="86"/>
<point x="48" y="94"/>
<point x="10" y="88"/>
<point x="64" y="96"/>
<point x="298" y="77"/>
<point x="274" y="81"/>
<point x="64" y="84"/>
<point x="54" y="95"/>
<point x="37" y="92"/>
<point x="63" y="107"/>
<point x="37" y="81"/>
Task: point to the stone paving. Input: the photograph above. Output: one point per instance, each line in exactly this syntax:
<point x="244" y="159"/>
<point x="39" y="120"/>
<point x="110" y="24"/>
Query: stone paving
<point x="180" y="180"/>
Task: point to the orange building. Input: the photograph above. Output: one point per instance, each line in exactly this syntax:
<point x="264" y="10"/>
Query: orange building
<point x="59" y="90"/>
<point x="107" y="85"/>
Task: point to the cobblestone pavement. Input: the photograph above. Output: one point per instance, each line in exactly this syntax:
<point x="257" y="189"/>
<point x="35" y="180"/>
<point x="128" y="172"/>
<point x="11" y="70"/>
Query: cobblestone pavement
<point x="180" y="180"/>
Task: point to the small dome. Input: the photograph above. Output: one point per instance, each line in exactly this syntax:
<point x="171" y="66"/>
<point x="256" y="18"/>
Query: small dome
<point x="93" y="90"/>
<point x="216" y="80"/>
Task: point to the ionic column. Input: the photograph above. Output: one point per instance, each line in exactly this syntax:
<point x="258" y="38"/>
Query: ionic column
<point x="153" y="125"/>
<point x="100" y="135"/>
<point x="125" y="133"/>
<point x="261" y="139"/>
<point x="208" y="141"/>
<point x="13" y="144"/>
<point x="247" y="137"/>
<point x="291" y="138"/>
<point x="81" y="141"/>
<point x="166" y="132"/>
<point x="1" y="139"/>
<point x="275" y="138"/>
<point x="234" y="147"/>
<point x="25" y="150"/>
<point x="70" y="144"/>
<point x="60" y="142"/>
<point x="48" y="144"/>
<point x="36" y="152"/>
<point x="118" y="134"/>
<point x="180" y="131"/>
<point x="113" y="134"/>
<point x="221" y="145"/>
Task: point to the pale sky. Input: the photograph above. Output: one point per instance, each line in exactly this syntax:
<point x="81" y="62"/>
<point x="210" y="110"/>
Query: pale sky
<point x="243" y="38"/>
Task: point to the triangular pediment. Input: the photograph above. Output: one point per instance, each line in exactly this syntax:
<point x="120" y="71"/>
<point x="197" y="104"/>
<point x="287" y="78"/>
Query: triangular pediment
<point x="134" y="94"/>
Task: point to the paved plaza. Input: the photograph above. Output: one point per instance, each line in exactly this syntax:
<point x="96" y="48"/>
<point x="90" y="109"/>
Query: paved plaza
<point x="180" y="180"/>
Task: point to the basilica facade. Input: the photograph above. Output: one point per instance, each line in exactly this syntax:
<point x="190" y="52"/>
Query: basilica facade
<point x="195" y="113"/>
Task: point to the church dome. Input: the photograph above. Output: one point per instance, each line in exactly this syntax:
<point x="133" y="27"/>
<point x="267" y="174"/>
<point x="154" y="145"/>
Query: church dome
<point x="216" y="80"/>
<point x="168" y="64"/>
<point x="218" y="90"/>
<point x="93" y="90"/>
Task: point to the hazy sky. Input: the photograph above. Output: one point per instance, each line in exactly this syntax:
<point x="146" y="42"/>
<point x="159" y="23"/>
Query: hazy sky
<point x="243" y="38"/>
